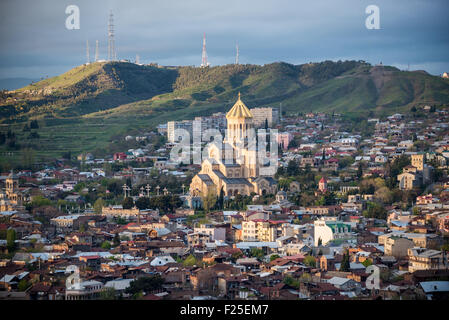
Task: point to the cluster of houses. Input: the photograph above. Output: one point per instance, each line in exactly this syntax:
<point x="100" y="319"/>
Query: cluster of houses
<point x="279" y="250"/>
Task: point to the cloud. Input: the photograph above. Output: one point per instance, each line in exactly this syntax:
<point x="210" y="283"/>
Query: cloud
<point x="35" y="41"/>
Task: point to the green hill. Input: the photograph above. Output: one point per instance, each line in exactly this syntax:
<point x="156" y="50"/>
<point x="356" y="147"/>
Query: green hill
<point x="86" y="89"/>
<point x="91" y="107"/>
<point x="118" y="89"/>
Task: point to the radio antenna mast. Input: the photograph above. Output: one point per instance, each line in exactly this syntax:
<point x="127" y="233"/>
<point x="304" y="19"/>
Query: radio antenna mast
<point x="87" y="51"/>
<point x="112" y="56"/>
<point x="96" y="51"/>
<point x="204" y="62"/>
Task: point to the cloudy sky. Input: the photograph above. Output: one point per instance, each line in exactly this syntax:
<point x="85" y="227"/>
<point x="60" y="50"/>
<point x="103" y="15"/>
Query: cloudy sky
<point x="36" y="43"/>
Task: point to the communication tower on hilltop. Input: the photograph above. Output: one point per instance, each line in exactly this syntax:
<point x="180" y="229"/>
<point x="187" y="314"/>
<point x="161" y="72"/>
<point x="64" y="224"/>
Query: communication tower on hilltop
<point x="237" y="54"/>
<point x="204" y="62"/>
<point x="87" y="51"/>
<point x="112" y="56"/>
<point x="96" y="51"/>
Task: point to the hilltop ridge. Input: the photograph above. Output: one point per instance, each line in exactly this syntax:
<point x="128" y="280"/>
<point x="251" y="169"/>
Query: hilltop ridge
<point x="120" y="89"/>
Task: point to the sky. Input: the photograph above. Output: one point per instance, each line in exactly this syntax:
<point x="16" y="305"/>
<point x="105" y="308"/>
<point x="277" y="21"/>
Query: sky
<point x="35" y="42"/>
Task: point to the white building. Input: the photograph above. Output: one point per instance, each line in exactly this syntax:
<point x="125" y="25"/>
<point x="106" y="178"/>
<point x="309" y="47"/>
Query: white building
<point x="328" y="230"/>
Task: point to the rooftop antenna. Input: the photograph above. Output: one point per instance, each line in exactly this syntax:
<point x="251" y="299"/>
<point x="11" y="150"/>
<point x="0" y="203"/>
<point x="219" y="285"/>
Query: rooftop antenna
<point x="112" y="56"/>
<point x="87" y="51"/>
<point x="237" y="54"/>
<point x="204" y="62"/>
<point x="96" y="51"/>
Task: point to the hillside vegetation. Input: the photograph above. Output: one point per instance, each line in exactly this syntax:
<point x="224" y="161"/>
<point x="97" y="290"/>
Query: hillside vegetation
<point x="86" y="89"/>
<point x="118" y="89"/>
<point x="91" y="107"/>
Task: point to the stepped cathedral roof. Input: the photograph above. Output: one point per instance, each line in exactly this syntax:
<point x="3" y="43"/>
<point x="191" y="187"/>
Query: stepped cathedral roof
<point x="239" y="110"/>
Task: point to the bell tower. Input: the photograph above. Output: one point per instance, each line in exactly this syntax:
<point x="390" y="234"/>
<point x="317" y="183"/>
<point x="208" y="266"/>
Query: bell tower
<point x="240" y="122"/>
<point x="12" y="187"/>
<point x="240" y="135"/>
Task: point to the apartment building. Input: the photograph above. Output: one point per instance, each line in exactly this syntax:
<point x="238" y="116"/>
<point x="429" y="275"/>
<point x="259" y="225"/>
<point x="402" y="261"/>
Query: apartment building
<point x="263" y="115"/>
<point x="425" y="259"/>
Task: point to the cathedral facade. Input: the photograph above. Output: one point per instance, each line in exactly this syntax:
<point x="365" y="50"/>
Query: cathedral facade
<point x="233" y="167"/>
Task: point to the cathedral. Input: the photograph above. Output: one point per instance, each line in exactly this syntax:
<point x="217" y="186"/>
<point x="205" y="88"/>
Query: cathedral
<point x="234" y="168"/>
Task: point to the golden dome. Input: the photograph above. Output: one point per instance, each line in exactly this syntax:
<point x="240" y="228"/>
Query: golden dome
<point x="239" y="110"/>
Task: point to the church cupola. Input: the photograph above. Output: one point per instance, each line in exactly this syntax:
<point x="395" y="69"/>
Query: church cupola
<point x="240" y="121"/>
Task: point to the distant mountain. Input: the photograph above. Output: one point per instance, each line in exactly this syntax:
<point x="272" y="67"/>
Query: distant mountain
<point x="126" y="90"/>
<point x="15" y="83"/>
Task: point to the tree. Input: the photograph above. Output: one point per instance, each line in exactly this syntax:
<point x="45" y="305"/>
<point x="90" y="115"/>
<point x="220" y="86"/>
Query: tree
<point x="23" y="285"/>
<point x="320" y="241"/>
<point x="10" y="240"/>
<point x="108" y="294"/>
<point x="40" y="201"/>
<point x="145" y="284"/>
<point x="98" y="206"/>
<point x="345" y="264"/>
<point x="293" y="144"/>
<point x="236" y="255"/>
<point x="143" y="203"/>
<point x="116" y="240"/>
<point x="221" y="199"/>
<point x="359" y="171"/>
<point x="106" y="245"/>
<point x="82" y="227"/>
<point x="190" y="261"/>
<point x="375" y="210"/>
<point x="310" y="261"/>
<point x="291" y="282"/>
<point x="128" y="203"/>
<point x="292" y="168"/>
<point x="367" y="263"/>
<point x="209" y="201"/>
<point x="257" y="253"/>
<point x="384" y="195"/>
<point x="274" y="257"/>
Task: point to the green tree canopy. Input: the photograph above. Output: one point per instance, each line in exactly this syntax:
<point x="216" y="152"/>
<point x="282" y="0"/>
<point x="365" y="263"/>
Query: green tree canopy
<point x="310" y="261"/>
<point x="98" y="206"/>
<point x="145" y="284"/>
<point x="106" y="245"/>
<point x="128" y="203"/>
<point x="190" y="261"/>
<point x="10" y="240"/>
